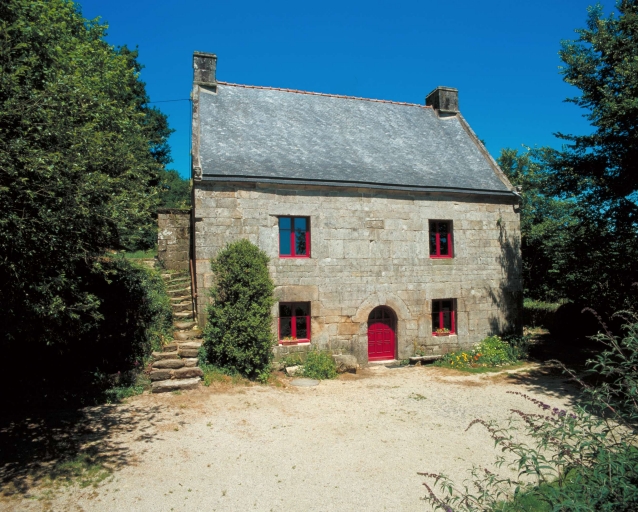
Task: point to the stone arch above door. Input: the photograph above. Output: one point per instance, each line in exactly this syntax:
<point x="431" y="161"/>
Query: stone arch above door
<point x="375" y="299"/>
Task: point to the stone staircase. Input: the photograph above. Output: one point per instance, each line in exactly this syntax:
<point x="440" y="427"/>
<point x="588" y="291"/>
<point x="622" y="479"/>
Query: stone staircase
<point x="175" y="368"/>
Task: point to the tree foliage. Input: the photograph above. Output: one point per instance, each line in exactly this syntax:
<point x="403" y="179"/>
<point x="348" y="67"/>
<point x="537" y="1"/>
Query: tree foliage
<point x="238" y="336"/>
<point x="597" y="172"/>
<point x="80" y="156"/>
<point x="546" y="225"/>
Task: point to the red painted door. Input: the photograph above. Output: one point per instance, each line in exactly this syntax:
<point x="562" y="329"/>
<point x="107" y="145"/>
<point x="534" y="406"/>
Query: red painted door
<point x="381" y="338"/>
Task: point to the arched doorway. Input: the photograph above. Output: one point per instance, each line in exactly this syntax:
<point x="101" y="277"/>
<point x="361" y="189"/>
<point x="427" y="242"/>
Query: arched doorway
<point x="381" y="334"/>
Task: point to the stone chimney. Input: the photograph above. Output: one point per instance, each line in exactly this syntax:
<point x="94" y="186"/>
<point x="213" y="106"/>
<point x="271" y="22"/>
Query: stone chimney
<point x="444" y="99"/>
<point x="204" y="68"/>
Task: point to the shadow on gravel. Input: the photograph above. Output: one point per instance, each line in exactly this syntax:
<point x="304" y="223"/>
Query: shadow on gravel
<point x="57" y="446"/>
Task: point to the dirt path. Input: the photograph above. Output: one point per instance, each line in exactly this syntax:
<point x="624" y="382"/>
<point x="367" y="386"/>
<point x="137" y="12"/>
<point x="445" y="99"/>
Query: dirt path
<point x="351" y="444"/>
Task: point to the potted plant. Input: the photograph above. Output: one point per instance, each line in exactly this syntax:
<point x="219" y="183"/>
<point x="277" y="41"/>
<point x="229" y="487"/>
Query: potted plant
<point x="289" y="340"/>
<point x="442" y="331"/>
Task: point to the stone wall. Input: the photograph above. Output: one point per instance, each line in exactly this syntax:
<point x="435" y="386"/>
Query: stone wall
<point x="370" y="248"/>
<point x="173" y="238"/>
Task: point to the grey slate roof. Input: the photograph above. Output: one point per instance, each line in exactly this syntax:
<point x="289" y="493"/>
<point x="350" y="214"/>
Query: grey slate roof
<point x="262" y="134"/>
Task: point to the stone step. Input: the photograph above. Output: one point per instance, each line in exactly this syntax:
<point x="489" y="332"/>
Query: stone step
<point x="178" y="293"/>
<point x="181" y="373"/>
<point x="184" y="325"/>
<point x="189" y="345"/>
<point x="170" y="347"/>
<point x="163" y="386"/>
<point x="181" y="298"/>
<point x="188" y="352"/>
<point x="182" y="306"/>
<point x="184" y="288"/>
<point x="182" y="281"/>
<point x="187" y="335"/>
<point x="168" y="364"/>
<point x="157" y="356"/>
<point x="171" y="276"/>
<point x="182" y="315"/>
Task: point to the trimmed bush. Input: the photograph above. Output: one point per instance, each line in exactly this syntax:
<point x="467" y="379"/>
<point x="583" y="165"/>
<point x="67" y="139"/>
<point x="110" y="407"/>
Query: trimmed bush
<point x="238" y="336"/>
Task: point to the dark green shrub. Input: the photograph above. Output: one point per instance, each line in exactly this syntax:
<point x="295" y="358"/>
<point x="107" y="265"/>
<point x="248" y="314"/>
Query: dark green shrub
<point x="319" y="365"/>
<point x="537" y="313"/>
<point x="133" y="317"/>
<point x="238" y="336"/>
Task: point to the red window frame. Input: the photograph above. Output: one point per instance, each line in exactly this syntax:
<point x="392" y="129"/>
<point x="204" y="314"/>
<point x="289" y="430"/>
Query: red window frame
<point x="293" y="239"/>
<point x="437" y="228"/>
<point x="438" y="317"/>
<point x="293" y="322"/>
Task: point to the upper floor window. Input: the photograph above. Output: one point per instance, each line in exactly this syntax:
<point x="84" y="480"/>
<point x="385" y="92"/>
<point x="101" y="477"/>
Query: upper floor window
<point x="294" y="322"/>
<point x="443" y="317"/>
<point x="294" y="237"/>
<point x="440" y="239"/>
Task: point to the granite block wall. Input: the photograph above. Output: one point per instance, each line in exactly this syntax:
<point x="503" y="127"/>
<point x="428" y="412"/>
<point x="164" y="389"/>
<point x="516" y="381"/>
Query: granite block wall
<point x="173" y="238"/>
<point x="370" y="248"/>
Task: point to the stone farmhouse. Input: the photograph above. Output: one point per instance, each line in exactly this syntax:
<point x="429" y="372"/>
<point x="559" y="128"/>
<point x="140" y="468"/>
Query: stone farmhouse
<point x="390" y="229"/>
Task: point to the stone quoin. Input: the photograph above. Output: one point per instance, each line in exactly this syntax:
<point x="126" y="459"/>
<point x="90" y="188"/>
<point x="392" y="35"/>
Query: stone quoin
<point x="390" y="229"/>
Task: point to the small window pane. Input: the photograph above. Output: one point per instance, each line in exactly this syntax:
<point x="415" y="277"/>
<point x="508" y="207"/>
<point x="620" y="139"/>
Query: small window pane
<point x="447" y="305"/>
<point x="300" y="236"/>
<point x="300" y="223"/>
<point x="436" y="321"/>
<point x="447" y="320"/>
<point x="436" y="306"/>
<point x="443" y="228"/>
<point x="302" y="327"/>
<point x="284" y="242"/>
<point x="432" y="243"/>
<point x="285" y="327"/>
<point x="285" y="310"/>
<point x="445" y="247"/>
<point x="285" y="223"/>
<point x="301" y="309"/>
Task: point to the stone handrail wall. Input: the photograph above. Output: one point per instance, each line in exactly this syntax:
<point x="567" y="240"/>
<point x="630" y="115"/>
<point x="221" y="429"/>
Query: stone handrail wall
<point x="173" y="238"/>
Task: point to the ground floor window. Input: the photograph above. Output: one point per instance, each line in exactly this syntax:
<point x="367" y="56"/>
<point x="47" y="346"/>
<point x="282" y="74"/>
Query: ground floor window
<point x="443" y="317"/>
<point x="294" y="322"/>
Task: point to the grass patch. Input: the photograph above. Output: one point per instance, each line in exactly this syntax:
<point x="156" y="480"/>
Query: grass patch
<point x="216" y="375"/>
<point x="85" y="469"/>
<point x="141" y="255"/>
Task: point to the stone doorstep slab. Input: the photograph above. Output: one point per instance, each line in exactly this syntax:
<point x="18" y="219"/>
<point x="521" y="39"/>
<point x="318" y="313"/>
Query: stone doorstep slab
<point x="164" y="386"/>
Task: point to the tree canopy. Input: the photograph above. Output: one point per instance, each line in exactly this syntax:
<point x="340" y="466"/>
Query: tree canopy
<point x="80" y="157"/>
<point x="580" y="203"/>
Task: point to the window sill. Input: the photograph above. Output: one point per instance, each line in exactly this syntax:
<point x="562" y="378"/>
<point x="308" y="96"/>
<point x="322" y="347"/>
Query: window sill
<point x="447" y="334"/>
<point x="296" y="342"/>
<point x="441" y="257"/>
<point x="294" y="257"/>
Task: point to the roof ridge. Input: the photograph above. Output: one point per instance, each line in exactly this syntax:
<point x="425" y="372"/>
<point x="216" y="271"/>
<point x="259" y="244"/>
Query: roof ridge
<point x="341" y="96"/>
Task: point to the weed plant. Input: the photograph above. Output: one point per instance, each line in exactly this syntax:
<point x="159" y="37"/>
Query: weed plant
<point x="319" y="365"/>
<point x="580" y="460"/>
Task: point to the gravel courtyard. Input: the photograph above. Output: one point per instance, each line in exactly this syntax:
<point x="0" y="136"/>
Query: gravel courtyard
<point x="352" y="444"/>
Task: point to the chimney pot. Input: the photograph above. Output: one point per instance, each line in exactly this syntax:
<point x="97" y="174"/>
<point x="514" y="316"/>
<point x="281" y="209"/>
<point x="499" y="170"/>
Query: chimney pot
<point x="444" y="99"/>
<point x="204" y="68"/>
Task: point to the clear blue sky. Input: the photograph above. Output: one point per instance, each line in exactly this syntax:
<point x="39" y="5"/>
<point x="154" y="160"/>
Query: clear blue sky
<point x="501" y="55"/>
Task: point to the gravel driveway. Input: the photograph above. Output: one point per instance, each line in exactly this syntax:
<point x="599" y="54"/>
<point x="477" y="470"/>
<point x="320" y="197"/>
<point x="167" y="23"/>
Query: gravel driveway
<point x="352" y="444"/>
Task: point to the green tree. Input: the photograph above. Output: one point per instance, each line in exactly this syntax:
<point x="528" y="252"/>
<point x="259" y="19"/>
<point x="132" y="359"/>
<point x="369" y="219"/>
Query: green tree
<point x="80" y="156"/>
<point x="175" y="192"/>
<point x="238" y="336"/>
<point x="546" y="225"/>
<point x="598" y="171"/>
